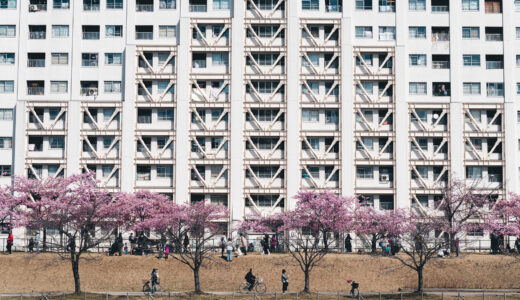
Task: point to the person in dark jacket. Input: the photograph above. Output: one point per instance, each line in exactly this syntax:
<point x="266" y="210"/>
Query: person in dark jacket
<point x="348" y="243"/>
<point x="285" y="281"/>
<point x="120" y="244"/>
<point x="265" y="244"/>
<point x="250" y="278"/>
<point x="186" y="242"/>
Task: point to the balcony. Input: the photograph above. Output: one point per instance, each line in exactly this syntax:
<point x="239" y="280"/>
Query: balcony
<point x="310" y="6"/>
<point x="494" y="64"/>
<point x="494" y="34"/>
<point x="89" y="88"/>
<point x="36" y="63"/>
<point x="35" y="88"/>
<point x="144" y="6"/>
<point x="441" y="89"/>
<point x="333" y="8"/>
<point x="386" y="8"/>
<point x="144" y="32"/>
<point x="493" y="7"/>
<point x="440" y="61"/>
<point x="198" y="8"/>
<point x="91" y="35"/>
<point x="36" y="6"/>
<point x="63" y="4"/>
<point x="91" y="6"/>
<point x="441" y="36"/>
<point x="440" y="6"/>
<point x="37" y="32"/>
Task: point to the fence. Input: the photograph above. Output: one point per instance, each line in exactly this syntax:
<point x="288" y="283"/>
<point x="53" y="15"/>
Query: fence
<point x="430" y="295"/>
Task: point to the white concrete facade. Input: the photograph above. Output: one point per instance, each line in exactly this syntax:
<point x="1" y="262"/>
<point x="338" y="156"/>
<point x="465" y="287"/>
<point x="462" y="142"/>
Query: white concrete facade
<point x="246" y="102"/>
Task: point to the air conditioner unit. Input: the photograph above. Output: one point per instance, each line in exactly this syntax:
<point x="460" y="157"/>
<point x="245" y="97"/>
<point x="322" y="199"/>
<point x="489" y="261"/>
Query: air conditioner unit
<point x="384" y="178"/>
<point x="33" y="7"/>
<point x="92" y="92"/>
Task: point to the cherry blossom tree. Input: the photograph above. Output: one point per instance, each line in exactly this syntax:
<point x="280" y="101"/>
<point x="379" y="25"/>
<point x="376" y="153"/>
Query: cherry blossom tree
<point x="9" y="206"/>
<point x="379" y="224"/>
<point x="201" y="221"/>
<point x="504" y="217"/>
<point x="83" y="214"/>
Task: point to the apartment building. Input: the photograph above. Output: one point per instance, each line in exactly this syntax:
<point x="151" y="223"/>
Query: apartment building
<point x="246" y="102"/>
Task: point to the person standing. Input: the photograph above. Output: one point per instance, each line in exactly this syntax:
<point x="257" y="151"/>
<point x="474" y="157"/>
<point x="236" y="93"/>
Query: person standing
<point x="285" y="281"/>
<point x="229" y="248"/>
<point x="186" y="242"/>
<point x="222" y="246"/>
<point x="10" y="240"/>
<point x="37" y="242"/>
<point x="265" y="244"/>
<point x="274" y="242"/>
<point x="457" y="244"/>
<point x="166" y="251"/>
<point x="120" y="244"/>
<point x="348" y="243"/>
<point x="132" y="241"/>
<point x="30" y="246"/>
<point x="154" y="278"/>
<point x="243" y="244"/>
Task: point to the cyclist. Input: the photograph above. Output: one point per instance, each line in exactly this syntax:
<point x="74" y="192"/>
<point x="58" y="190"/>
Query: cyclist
<point x="154" y="279"/>
<point x="251" y="279"/>
<point x="354" y="287"/>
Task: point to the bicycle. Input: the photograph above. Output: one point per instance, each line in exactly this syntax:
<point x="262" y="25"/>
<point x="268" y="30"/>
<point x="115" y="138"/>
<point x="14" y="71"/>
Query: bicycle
<point x="147" y="288"/>
<point x="259" y="287"/>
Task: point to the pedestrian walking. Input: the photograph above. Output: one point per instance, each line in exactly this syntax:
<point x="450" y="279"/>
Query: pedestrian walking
<point x="30" y="246"/>
<point x="285" y="281"/>
<point x="10" y="241"/>
<point x="166" y="251"/>
<point x="265" y="244"/>
<point x="457" y="244"/>
<point x="243" y="244"/>
<point x="274" y="242"/>
<point x="120" y="244"/>
<point x="37" y="242"/>
<point x="222" y="246"/>
<point x="132" y="241"/>
<point x="154" y="278"/>
<point x="229" y="248"/>
<point x="348" y="243"/>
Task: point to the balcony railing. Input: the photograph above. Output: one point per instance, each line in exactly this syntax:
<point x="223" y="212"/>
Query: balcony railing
<point x="165" y="5"/>
<point x="494" y="37"/>
<point x="333" y="8"/>
<point x="493" y="92"/>
<point x="440" y="37"/>
<point x="440" y="8"/>
<point x="37" y="7"/>
<point x="89" y="63"/>
<point x="494" y="65"/>
<point x="89" y="91"/>
<point x="364" y="7"/>
<point x="144" y="7"/>
<point x="63" y="5"/>
<point x="35" y="90"/>
<point x="310" y="6"/>
<point x="386" y="8"/>
<point x="440" y="64"/>
<point x="198" y="8"/>
<point x="37" y="35"/>
<point x="91" y="7"/>
<point x="91" y="35"/>
<point x="114" y="5"/>
<point x="36" y="63"/>
<point x="387" y="36"/>
<point x="144" y="35"/>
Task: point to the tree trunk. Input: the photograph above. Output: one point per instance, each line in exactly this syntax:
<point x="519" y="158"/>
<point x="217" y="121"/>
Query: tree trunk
<point x="75" y="271"/>
<point x="307" y="289"/>
<point x="419" y="280"/>
<point x="325" y="240"/>
<point x="44" y="241"/>
<point x="197" y="281"/>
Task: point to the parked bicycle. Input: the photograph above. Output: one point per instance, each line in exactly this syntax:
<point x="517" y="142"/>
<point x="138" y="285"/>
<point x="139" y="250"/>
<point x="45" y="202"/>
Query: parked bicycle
<point x="259" y="287"/>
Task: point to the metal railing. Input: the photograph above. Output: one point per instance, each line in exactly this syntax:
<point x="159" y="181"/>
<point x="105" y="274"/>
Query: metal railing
<point x="115" y="5"/>
<point x="90" y="35"/>
<point x="494" y="64"/>
<point x="90" y="7"/>
<point x="386" y="8"/>
<point x="416" y="6"/>
<point x="37" y="35"/>
<point x="440" y="37"/>
<point x="364" y="7"/>
<point x="89" y="63"/>
<point x="63" y="5"/>
<point x="310" y="6"/>
<point x="494" y="37"/>
<point x="36" y="90"/>
<point x="37" y="7"/>
<point x="89" y="91"/>
<point x="165" y="5"/>
<point x="144" y="7"/>
<point x="440" y="8"/>
<point x="387" y="36"/>
<point x="198" y="8"/>
<point x="494" y="92"/>
<point x="333" y="8"/>
<point x="144" y="35"/>
<point x="36" y="63"/>
<point x="440" y="64"/>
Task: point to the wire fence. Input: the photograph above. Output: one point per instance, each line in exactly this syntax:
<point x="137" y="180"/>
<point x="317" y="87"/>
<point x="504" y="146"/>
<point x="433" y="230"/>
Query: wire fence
<point x="431" y="295"/>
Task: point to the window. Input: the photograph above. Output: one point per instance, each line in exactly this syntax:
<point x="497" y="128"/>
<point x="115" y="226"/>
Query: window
<point x="310" y="4"/>
<point x="199" y="60"/>
<point x="57" y="142"/>
<point x="144" y="32"/>
<point x="471" y="88"/>
<point x="220" y="4"/>
<point x="365" y="172"/>
<point x="91" y="5"/>
<point x="6" y="114"/>
<point x="386" y="5"/>
<point x="167" y="4"/>
<point x="417" y="32"/>
<point x="165" y="115"/>
<point x="470" y="5"/>
<point x="367" y="86"/>
<point x="5" y="170"/>
<point x="417" y="88"/>
<point x="367" y="58"/>
<point x="518" y="32"/>
<point x="7" y="4"/>
<point x="59" y="58"/>
<point x="114" y="30"/>
<point x="363" y="4"/>
<point x="114" y="4"/>
<point x="163" y="84"/>
<point x="112" y="86"/>
<point x="331" y="117"/>
<point x="474" y="172"/>
<point x="89" y="59"/>
<point x="518" y="116"/>
<point x="364" y="32"/>
<point x="59" y="87"/>
<point x="518" y="61"/>
<point x="418" y="60"/>
<point x="472" y="60"/>
<point x="60" y="31"/>
<point x="7" y="30"/>
<point x="518" y="88"/>
<point x="61" y="4"/>
<point x="517" y="5"/>
<point x="6" y="143"/>
<point x="417" y="4"/>
<point x="6" y="58"/>
<point x="314" y="58"/>
<point x="220" y="59"/>
<point x="164" y="171"/>
<point x="113" y="58"/>
<point x="470" y="32"/>
<point x="167" y="31"/>
<point x="6" y="86"/>
<point x="495" y="89"/>
<point x="143" y="173"/>
<point x="311" y="116"/>
<point x="386" y="33"/>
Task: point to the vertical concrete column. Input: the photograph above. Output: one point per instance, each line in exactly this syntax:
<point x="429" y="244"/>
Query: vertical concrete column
<point x="293" y="101"/>
<point x="401" y="145"/>
<point x="347" y="104"/>
<point x="72" y="138"/>
<point x="128" y="121"/>
<point x="236" y="196"/>
<point x="182" y="146"/>
<point x="20" y="140"/>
